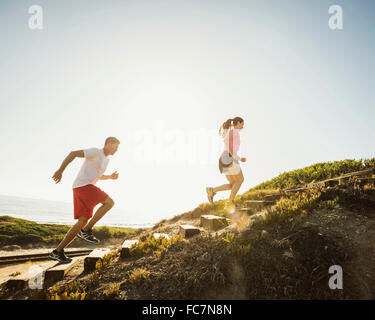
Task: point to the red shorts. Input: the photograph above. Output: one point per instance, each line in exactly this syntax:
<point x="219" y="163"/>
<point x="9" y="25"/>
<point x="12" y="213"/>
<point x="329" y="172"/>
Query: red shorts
<point x="85" y="199"/>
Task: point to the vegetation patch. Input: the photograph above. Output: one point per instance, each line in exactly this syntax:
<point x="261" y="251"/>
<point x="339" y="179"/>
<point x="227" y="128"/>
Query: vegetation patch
<point x="17" y="231"/>
<point x="149" y="244"/>
<point x="314" y="173"/>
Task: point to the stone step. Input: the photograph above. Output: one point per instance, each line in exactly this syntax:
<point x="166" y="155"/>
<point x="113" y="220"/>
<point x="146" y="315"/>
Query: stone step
<point x="125" y="249"/>
<point x="188" y="231"/>
<point x="59" y="270"/>
<point x="31" y="275"/>
<point x="213" y="223"/>
<point x="96" y="255"/>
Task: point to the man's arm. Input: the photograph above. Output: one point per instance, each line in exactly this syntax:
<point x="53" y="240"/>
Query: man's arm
<point x="104" y="177"/>
<point x="71" y="156"/>
<point x="113" y="176"/>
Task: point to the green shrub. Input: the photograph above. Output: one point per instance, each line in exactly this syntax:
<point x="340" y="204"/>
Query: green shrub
<point x="138" y="274"/>
<point x="152" y="245"/>
<point x="21" y="232"/>
<point x="316" y="172"/>
<point x="297" y="204"/>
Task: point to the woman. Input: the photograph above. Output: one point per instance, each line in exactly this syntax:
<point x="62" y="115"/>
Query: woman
<point x="229" y="160"/>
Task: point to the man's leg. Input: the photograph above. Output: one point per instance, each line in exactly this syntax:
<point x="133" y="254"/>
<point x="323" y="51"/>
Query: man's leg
<point x="102" y="210"/>
<point x="71" y="234"/>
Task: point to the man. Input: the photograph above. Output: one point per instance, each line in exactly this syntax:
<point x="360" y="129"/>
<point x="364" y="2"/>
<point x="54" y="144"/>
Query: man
<point x="86" y="195"/>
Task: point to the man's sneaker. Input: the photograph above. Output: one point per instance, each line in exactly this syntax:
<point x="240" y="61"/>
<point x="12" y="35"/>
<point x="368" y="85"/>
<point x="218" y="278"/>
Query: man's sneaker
<point x="59" y="256"/>
<point x="88" y="236"/>
<point x="210" y="194"/>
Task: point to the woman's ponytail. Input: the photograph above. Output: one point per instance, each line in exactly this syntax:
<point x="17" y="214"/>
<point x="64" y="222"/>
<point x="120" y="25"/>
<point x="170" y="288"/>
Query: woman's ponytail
<point x="226" y="125"/>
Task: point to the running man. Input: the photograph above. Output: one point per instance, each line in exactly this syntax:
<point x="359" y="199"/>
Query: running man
<point x="229" y="159"/>
<point x="86" y="195"/>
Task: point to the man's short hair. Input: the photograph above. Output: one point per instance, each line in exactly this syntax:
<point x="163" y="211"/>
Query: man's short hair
<point x="112" y="140"/>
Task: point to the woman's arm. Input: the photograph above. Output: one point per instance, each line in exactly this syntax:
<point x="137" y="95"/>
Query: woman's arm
<point x="231" y="152"/>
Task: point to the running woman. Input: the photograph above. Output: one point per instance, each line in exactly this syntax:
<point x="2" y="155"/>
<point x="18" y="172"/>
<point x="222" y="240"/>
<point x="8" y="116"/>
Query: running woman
<point x="229" y="131"/>
<point x="86" y="195"/>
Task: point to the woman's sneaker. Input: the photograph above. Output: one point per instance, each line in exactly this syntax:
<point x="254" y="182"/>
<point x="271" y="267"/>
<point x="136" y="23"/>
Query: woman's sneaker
<point x="230" y="206"/>
<point x="210" y="194"/>
<point x="59" y="256"/>
<point x="88" y="236"/>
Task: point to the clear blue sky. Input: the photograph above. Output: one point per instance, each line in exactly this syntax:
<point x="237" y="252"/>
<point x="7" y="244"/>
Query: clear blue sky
<point x="128" y="68"/>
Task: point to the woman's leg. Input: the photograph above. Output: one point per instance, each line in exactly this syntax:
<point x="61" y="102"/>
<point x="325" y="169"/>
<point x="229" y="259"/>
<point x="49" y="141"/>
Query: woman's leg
<point x="238" y="179"/>
<point x="223" y="187"/>
<point x="227" y="186"/>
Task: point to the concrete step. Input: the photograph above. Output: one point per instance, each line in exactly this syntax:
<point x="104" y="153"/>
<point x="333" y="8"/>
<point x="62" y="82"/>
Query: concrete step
<point x="213" y="223"/>
<point x="30" y="275"/>
<point x="96" y="255"/>
<point x="59" y="270"/>
<point x="125" y="249"/>
<point x="188" y="231"/>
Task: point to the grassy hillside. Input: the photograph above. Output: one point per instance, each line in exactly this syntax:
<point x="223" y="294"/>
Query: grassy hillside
<point x="285" y="254"/>
<point x="21" y="232"/>
<point x="316" y="172"/>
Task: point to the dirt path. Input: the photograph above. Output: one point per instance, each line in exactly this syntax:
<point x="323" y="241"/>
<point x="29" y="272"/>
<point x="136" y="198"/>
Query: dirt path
<point x="16" y="250"/>
<point x="37" y="251"/>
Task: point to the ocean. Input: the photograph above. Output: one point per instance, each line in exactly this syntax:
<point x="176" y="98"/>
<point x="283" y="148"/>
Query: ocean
<point x="56" y="212"/>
